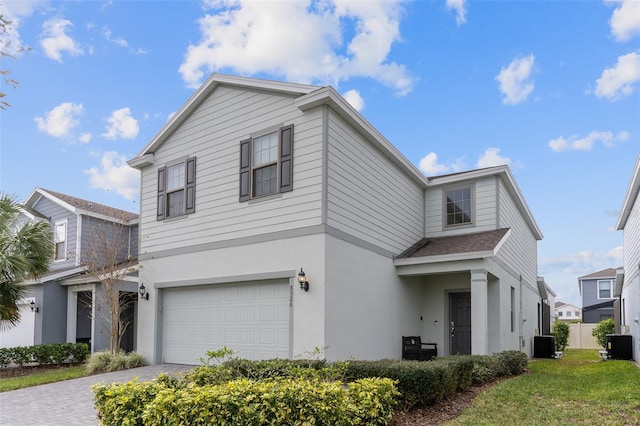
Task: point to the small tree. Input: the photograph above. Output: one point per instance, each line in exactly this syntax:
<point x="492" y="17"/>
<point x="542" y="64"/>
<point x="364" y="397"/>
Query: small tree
<point x="109" y="260"/>
<point x="560" y="330"/>
<point x="6" y="49"/>
<point x="601" y="330"/>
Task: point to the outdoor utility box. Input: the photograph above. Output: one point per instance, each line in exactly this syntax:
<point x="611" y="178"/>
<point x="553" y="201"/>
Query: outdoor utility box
<point x="619" y="346"/>
<point x="544" y="346"/>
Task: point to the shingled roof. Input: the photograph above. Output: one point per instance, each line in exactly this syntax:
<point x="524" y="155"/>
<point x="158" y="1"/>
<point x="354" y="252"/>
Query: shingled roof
<point x="455" y="244"/>
<point x="92" y="207"/>
<point x="605" y="273"/>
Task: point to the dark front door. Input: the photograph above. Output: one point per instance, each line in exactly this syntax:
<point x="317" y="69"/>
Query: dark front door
<point x="460" y="323"/>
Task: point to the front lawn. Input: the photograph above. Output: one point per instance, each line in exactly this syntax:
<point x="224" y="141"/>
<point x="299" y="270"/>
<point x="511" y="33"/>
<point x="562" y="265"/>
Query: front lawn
<point x="578" y="388"/>
<point x="33" y="377"/>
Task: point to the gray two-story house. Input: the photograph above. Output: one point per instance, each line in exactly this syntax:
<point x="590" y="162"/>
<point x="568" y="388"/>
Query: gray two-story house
<point x="67" y="304"/>
<point x="597" y="292"/>
<point x="275" y="220"/>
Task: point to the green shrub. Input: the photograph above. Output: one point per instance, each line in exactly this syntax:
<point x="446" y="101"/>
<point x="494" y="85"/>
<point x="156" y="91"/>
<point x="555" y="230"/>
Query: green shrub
<point x="513" y="363"/>
<point x="560" y="330"/>
<point x="124" y="403"/>
<point x="601" y="330"/>
<point x="105" y="361"/>
<point x="45" y="354"/>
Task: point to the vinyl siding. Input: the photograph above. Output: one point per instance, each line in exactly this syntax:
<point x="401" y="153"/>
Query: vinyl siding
<point x="485" y="208"/>
<point x="368" y="196"/>
<point x="631" y="241"/>
<point x="56" y="213"/>
<point x="117" y="235"/>
<point x="212" y="133"/>
<point x="590" y="292"/>
<point x="520" y="250"/>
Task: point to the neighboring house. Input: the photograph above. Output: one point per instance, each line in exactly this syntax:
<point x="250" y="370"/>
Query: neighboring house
<point x="67" y="302"/>
<point x="253" y="182"/>
<point x="567" y="312"/>
<point x="597" y="291"/>
<point x="628" y="279"/>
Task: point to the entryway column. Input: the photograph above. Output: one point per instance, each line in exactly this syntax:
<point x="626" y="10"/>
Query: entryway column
<point x="479" y="312"/>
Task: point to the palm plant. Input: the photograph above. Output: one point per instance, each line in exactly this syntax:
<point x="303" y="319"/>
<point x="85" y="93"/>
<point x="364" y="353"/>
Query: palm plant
<point x="25" y="252"/>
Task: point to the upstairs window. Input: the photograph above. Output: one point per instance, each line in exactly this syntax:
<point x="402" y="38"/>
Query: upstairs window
<point x="60" y="240"/>
<point x="458" y="207"/>
<point x="176" y="189"/>
<point x="559" y="313"/>
<point x="604" y="289"/>
<point x="266" y="164"/>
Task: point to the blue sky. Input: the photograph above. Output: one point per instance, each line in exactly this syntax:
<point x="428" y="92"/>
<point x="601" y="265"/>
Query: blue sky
<point x="549" y="87"/>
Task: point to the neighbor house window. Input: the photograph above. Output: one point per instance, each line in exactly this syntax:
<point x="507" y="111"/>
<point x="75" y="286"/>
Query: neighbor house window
<point x="560" y="313"/>
<point x="266" y="164"/>
<point x="604" y="289"/>
<point x="577" y="313"/>
<point x="60" y="240"/>
<point x="176" y="189"/>
<point x="568" y="313"/>
<point x="458" y="206"/>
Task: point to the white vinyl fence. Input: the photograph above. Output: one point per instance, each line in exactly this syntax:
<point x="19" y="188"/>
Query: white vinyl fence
<point x="580" y="337"/>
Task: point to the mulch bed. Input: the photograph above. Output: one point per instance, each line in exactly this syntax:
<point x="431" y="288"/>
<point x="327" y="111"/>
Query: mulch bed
<point x="26" y="370"/>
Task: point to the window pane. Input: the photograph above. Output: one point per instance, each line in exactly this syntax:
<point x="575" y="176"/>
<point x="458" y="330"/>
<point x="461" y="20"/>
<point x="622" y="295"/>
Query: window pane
<point x="175" y="203"/>
<point x="60" y="251"/>
<point x="175" y="177"/>
<point x="265" y="180"/>
<point x="604" y="289"/>
<point x="61" y="233"/>
<point x="459" y="206"/>
<point x="265" y="149"/>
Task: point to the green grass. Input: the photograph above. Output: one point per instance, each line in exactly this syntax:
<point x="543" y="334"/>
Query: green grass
<point x="54" y="375"/>
<point x="578" y="388"/>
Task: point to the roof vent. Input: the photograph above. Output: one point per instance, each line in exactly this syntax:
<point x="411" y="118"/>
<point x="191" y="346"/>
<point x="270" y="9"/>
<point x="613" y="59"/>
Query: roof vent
<point x="90" y="205"/>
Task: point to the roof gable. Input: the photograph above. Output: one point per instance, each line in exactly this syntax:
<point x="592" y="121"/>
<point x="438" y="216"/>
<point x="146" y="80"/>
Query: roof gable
<point x="80" y="206"/>
<point x="605" y="273"/>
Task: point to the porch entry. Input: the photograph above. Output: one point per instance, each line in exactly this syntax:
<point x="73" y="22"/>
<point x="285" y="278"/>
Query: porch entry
<point x="460" y="323"/>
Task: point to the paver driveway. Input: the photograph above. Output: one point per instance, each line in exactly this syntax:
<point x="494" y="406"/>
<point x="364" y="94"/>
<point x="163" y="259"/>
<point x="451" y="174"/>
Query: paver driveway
<point x="69" y="402"/>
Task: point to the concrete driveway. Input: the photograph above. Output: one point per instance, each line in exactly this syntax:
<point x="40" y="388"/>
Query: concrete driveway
<point x="70" y="402"/>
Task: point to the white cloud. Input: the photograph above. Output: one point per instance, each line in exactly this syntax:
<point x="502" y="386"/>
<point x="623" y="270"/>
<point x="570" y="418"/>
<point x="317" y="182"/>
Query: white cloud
<point x="354" y="99"/>
<point x="85" y="137"/>
<point x="618" y="82"/>
<point x="114" y="174"/>
<point x="60" y="120"/>
<point x="491" y="157"/>
<point x="54" y="41"/>
<point x="430" y="166"/>
<point x="106" y="32"/>
<point x="121" y="125"/>
<point x="583" y="262"/>
<point x="625" y="21"/>
<point x="299" y="42"/>
<point x="515" y="82"/>
<point x="573" y="143"/>
<point x="460" y="7"/>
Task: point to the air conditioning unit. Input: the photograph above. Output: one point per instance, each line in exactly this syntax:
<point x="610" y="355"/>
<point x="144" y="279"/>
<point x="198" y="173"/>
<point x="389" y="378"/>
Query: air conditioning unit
<point x="544" y="346"/>
<point x="619" y="346"/>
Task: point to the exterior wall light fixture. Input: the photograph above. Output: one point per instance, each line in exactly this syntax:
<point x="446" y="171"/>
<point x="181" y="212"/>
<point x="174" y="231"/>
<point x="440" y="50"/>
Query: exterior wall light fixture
<point x="302" y="279"/>
<point x="33" y="307"/>
<point x="143" y="292"/>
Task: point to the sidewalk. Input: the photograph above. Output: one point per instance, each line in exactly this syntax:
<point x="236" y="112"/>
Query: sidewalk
<point x="68" y="403"/>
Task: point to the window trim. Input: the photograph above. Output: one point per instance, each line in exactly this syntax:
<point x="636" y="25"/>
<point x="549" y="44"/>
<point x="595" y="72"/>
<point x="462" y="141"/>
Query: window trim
<point x="189" y="187"/>
<point x="610" y="281"/>
<point x="472" y="214"/>
<point x="64" y="222"/>
<point x="283" y="163"/>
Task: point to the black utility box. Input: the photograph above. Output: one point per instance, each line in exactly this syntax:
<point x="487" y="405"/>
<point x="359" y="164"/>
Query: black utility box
<point x="544" y="346"/>
<point x="619" y="346"/>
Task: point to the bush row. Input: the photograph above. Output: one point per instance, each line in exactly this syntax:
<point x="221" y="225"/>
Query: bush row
<point x="49" y="353"/>
<point x="105" y="361"/>
<point x="270" y="401"/>
<point x="426" y="383"/>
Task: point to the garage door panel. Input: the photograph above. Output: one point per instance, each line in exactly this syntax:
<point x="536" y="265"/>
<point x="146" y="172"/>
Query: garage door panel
<point x="251" y="319"/>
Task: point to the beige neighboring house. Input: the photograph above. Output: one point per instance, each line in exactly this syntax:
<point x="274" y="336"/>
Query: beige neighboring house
<point x="568" y="312"/>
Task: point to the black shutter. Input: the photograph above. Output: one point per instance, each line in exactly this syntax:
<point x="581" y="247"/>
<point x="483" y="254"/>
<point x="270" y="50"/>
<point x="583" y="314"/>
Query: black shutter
<point x="286" y="158"/>
<point x="190" y="186"/>
<point x="161" y="193"/>
<point x="245" y="170"/>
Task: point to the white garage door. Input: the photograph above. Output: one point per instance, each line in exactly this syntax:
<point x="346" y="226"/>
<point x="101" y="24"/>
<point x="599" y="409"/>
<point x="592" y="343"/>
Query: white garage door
<point x="23" y="333"/>
<point x="251" y="319"/>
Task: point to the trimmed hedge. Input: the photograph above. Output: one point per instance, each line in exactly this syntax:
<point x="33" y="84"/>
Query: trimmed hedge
<point x="45" y="354"/>
<point x="272" y="401"/>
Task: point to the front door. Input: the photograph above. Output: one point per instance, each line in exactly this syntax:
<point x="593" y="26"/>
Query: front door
<point x="460" y="323"/>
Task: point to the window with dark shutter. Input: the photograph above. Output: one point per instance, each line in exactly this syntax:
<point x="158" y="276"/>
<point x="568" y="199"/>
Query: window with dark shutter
<point x="177" y="189"/>
<point x="266" y="164"/>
